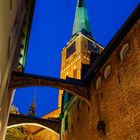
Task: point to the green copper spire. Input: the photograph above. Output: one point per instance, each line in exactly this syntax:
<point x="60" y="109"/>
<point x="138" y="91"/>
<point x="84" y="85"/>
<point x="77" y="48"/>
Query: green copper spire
<point x="81" y="21"/>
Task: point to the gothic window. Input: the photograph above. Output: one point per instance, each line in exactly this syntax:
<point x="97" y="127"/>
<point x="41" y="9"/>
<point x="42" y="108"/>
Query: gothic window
<point x="107" y="71"/>
<point x="124" y="51"/>
<point x="66" y="122"/>
<point x="98" y="82"/>
<point x="70" y="50"/>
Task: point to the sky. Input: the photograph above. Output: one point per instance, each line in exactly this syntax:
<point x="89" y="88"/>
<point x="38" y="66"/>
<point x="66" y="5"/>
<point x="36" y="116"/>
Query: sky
<point x="51" y="30"/>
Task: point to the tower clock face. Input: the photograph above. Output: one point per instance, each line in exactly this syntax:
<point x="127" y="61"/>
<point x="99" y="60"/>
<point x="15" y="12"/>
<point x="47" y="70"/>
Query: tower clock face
<point x="70" y="50"/>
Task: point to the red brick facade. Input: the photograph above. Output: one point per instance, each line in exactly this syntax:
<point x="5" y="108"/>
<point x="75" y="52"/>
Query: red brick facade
<point x="115" y="102"/>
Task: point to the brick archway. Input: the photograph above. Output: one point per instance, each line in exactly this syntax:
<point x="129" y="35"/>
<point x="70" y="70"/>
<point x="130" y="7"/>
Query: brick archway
<point x="73" y="86"/>
<point x="52" y="124"/>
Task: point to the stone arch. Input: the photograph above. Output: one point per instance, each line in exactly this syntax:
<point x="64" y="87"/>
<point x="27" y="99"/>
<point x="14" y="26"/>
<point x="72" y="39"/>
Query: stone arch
<point x="32" y="124"/>
<point x="73" y="86"/>
<point x="52" y="124"/>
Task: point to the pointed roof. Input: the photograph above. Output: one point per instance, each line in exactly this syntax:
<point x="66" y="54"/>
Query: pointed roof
<point x="32" y="109"/>
<point x="81" y="21"/>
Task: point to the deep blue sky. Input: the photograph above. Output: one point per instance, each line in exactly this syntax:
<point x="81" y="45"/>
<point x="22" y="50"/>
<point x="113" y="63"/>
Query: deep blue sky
<point x="52" y="29"/>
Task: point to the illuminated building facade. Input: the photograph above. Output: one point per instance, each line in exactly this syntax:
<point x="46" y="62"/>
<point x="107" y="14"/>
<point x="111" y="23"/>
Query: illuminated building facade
<point x="111" y="76"/>
<point x="15" y="24"/>
<point x="112" y="79"/>
<point x="81" y="51"/>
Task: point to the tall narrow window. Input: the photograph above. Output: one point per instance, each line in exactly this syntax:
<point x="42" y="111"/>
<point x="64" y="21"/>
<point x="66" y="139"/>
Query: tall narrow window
<point x="70" y="50"/>
<point x="66" y="123"/>
<point x="10" y="4"/>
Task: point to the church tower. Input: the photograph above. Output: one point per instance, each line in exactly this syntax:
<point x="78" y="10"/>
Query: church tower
<point x="81" y="50"/>
<point x="32" y="109"/>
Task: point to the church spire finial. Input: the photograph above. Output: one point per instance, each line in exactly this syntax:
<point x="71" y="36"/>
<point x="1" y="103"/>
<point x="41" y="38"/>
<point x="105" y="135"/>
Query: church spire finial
<point x="81" y="21"/>
<point x="34" y="96"/>
<point x="32" y="109"/>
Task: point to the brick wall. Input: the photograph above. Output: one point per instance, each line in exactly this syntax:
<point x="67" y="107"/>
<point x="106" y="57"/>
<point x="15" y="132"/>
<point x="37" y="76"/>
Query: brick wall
<point x="117" y="100"/>
<point x="78" y="122"/>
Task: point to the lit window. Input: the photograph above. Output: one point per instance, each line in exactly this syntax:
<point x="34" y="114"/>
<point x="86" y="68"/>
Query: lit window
<point x="107" y="71"/>
<point x="98" y="82"/>
<point x="124" y="51"/>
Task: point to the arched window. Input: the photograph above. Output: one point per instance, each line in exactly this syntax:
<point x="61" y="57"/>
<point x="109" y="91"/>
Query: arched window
<point x="124" y="51"/>
<point x="107" y="71"/>
<point x="98" y="82"/>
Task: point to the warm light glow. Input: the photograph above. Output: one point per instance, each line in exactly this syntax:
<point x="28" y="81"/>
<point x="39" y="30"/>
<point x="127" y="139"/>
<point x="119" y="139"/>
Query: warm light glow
<point x="32" y="124"/>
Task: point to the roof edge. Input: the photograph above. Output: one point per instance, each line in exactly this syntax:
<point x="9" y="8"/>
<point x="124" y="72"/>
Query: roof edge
<point x="113" y="44"/>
